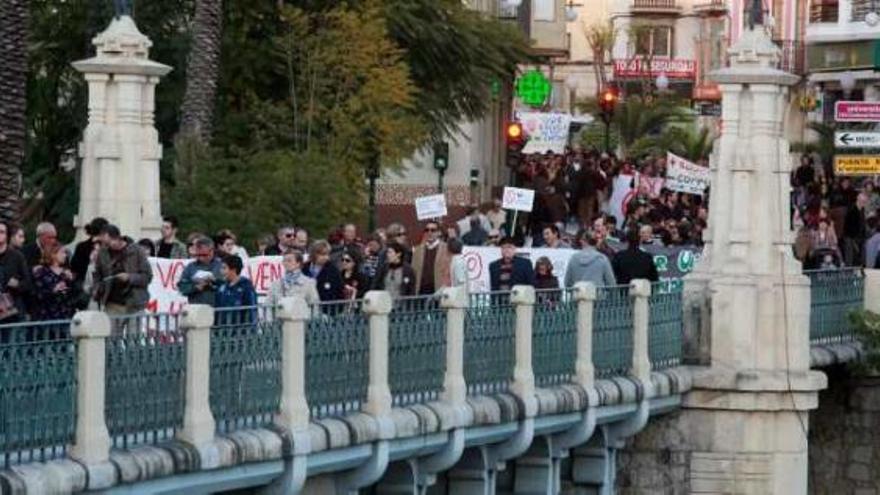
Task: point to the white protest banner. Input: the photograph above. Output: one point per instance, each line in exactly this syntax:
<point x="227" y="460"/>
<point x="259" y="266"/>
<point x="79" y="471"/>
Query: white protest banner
<point x="515" y="198"/>
<point x="164" y="297"/>
<point x="546" y="131"/>
<point x="428" y="207"/>
<point x="622" y="192"/>
<point x="685" y="176"/>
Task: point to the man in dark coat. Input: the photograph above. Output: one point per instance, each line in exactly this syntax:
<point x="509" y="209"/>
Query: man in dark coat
<point x="15" y="280"/>
<point x="122" y="274"/>
<point x="510" y="270"/>
<point x="633" y="263"/>
<point x="327" y="277"/>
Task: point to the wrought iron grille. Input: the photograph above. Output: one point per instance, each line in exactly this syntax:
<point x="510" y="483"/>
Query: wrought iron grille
<point x="417" y="349"/>
<point x="612" y="331"/>
<point x="554" y="336"/>
<point x="489" y="347"/>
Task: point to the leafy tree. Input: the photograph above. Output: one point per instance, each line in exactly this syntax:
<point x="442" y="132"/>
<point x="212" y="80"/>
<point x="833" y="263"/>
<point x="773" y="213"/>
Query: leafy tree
<point x="686" y="141"/>
<point x="202" y="68"/>
<point x="601" y="38"/>
<point x="639" y="116"/>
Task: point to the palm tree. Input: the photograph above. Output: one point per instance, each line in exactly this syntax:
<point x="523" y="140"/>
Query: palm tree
<point x="13" y="86"/>
<point x="638" y="117"/>
<point x="202" y="72"/>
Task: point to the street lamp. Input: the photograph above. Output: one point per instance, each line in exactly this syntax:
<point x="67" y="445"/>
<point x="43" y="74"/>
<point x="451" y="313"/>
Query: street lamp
<point x="847" y="82"/>
<point x="571" y="14"/>
<point x="571" y="83"/>
<point x="662" y="82"/>
<point x="372" y="172"/>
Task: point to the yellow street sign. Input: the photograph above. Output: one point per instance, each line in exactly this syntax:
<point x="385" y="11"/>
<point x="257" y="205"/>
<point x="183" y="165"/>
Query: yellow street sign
<point x="857" y="164"/>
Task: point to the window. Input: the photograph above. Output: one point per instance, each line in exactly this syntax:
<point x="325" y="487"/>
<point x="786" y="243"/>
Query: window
<point x="823" y="11"/>
<point x="653" y="40"/>
<point x="544" y="10"/>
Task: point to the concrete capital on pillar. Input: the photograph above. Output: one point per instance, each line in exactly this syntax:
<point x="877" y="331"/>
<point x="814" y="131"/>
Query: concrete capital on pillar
<point x="872" y="290"/>
<point x="293" y="415"/>
<point x="584" y="291"/>
<point x="522" y="294"/>
<point x="377" y="302"/>
<point x="640" y="288"/>
<point x="454" y="298"/>
<point x="523" y="299"/>
<point x="294" y="309"/>
<point x="90" y="325"/>
<point x="91" y="445"/>
<point x="640" y="291"/>
<point x="197" y="316"/>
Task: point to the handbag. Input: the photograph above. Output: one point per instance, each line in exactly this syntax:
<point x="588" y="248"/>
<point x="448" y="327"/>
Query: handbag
<point x="7" y="306"/>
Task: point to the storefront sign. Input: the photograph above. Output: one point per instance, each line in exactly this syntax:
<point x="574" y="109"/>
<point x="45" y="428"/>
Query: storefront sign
<point x="857" y="111"/>
<point x="848" y="55"/>
<point x="677" y="68"/>
<point x="857" y="164"/>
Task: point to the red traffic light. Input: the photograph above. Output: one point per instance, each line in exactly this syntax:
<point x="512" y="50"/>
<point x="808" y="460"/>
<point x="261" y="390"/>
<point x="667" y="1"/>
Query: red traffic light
<point x="608" y="100"/>
<point x="514" y="131"/>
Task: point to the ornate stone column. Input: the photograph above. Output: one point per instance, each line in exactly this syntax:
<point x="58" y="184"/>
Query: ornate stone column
<point x="746" y="419"/>
<point x="120" y="150"/>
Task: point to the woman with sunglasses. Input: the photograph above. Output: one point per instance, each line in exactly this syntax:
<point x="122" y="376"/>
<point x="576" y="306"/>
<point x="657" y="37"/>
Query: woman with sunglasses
<point x="354" y="284"/>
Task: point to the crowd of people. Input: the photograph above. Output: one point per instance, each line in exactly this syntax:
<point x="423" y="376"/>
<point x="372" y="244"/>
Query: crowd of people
<point x="576" y="194"/>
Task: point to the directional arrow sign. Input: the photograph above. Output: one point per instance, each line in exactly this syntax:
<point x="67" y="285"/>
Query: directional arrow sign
<point x="846" y="139"/>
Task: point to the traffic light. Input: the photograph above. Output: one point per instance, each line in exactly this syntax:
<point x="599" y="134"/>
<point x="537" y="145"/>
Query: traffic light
<point x="607" y="101"/>
<point x="441" y="156"/>
<point x="515" y="139"/>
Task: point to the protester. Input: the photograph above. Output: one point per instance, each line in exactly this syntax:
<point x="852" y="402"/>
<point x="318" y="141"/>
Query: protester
<point x="510" y="270"/>
<point x="55" y="292"/>
<point x="544" y="277"/>
<point x="395" y="276"/>
<point x="227" y="244"/>
<point x="294" y="281"/>
<point x="285" y="239"/>
<point x="16" y="236"/>
<point x="79" y="263"/>
<point x="46" y="237"/>
<point x="169" y="246"/>
<point x="372" y="258"/>
<point x="431" y="261"/>
<point x="122" y="274"/>
<point x="15" y="281"/>
<point x="354" y="285"/>
<point x="589" y="265"/>
<point x="326" y="275"/>
<point x="633" y="263"/>
<point x="553" y="239"/>
<point x="200" y="279"/>
<point x="147" y="247"/>
<point x="235" y="291"/>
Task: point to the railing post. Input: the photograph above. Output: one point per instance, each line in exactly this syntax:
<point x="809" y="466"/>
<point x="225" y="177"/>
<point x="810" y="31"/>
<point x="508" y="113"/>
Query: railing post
<point x="294" y="413"/>
<point x="523" y="299"/>
<point x="198" y="421"/>
<point x="640" y="291"/>
<point x="455" y="301"/>
<point x="91" y="445"/>
<point x="585" y="295"/>
<point x="377" y="305"/>
<point x="872" y="290"/>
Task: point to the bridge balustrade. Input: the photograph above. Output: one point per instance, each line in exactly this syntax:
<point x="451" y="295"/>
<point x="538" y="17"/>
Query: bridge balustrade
<point x="259" y="366"/>
<point x="834" y="294"/>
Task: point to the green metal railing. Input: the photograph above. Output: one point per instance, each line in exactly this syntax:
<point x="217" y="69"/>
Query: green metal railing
<point x="337" y="358"/>
<point x="554" y="336"/>
<point x="245" y="367"/>
<point x="665" y="326"/>
<point x="612" y="331"/>
<point x="37" y="391"/>
<point x="489" y="348"/>
<point x="145" y="379"/>
<point x="834" y="294"/>
<point x="417" y="350"/>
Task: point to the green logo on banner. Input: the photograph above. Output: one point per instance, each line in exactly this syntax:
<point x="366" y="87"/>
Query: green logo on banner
<point x="661" y="262"/>
<point x="685" y="261"/>
<point x="533" y="88"/>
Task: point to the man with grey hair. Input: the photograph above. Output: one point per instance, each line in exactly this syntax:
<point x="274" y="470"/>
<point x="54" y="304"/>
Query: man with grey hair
<point x="46" y="237"/>
<point x="200" y="279"/>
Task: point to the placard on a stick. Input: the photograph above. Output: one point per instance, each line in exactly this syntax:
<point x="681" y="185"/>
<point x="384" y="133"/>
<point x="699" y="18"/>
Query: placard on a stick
<point x="518" y="199"/>
<point x="429" y="207"/>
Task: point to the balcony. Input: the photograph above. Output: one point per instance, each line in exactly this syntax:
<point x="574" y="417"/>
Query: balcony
<point x="792" y="58"/>
<point x="656" y="7"/>
<point x="837" y="21"/>
<point x="710" y="8"/>
<point x="861" y="8"/>
<point x="824" y="11"/>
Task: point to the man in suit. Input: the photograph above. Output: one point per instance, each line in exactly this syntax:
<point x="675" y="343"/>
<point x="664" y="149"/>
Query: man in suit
<point x="431" y="261"/>
<point x="510" y="270"/>
<point x="633" y="263"/>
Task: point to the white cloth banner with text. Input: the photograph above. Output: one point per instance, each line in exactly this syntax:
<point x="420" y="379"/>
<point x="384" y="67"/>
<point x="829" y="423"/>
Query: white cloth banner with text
<point x="546" y="131"/>
<point x="685" y="176"/>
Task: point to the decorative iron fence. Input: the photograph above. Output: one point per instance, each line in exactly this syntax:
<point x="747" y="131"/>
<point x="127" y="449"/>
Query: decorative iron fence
<point x="145" y="379"/>
<point x="612" y="331"/>
<point x="834" y="294"/>
<point x="417" y="350"/>
<point x="554" y="337"/>
<point x="665" y="326"/>
<point x="245" y="367"/>
<point x="337" y="358"/>
<point x="37" y="391"/>
<point x="489" y="349"/>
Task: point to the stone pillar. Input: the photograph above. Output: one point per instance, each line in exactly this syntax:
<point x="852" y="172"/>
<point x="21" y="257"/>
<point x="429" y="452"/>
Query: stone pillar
<point x="640" y="291"/>
<point x="744" y="422"/>
<point x="455" y="301"/>
<point x="294" y="413"/>
<point x="120" y="149"/>
<point x="377" y="304"/>
<point x="872" y="290"/>
<point x="198" y="421"/>
<point x="585" y="294"/>
<point x="523" y="299"/>
<point x="91" y="445"/>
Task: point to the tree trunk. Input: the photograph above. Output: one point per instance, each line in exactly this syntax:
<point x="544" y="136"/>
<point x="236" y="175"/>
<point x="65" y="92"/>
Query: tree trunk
<point x="202" y="71"/>
<point x="13" y="101"/>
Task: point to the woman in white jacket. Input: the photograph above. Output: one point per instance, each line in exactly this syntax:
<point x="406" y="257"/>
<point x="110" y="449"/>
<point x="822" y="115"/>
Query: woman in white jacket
<point x="294" y="281"/>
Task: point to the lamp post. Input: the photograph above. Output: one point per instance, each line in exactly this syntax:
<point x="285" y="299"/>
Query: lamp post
<point x="372" y="173"/>
<point x="847" y="82"/>
<point x="441" y="162"/>
<point x="571" y="84"/>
